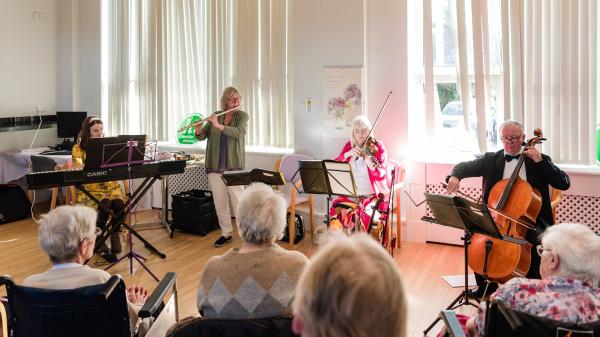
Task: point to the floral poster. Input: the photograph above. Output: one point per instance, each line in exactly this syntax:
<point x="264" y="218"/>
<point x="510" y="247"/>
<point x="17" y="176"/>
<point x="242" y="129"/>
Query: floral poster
<point x="342" y="95"/>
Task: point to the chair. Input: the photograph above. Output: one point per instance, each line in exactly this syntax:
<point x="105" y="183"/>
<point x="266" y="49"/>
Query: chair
<point x="44" y="164"/>
<point x="502" y="321"/>
<point x="397" y="193"/>
<point x="93" y="311"/>
<point x="260" y="327"/>
<point x="555" y="197"/>
<point x="288" y="165"/>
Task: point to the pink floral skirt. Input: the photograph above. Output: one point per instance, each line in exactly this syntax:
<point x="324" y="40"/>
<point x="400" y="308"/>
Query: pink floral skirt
<point x="346" y="212"/>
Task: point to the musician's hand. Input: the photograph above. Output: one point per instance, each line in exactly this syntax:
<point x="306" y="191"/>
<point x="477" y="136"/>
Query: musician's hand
<point x="533" y="153"/>
<point x="353" y="153"/>
<point x="137" y="294"/>
<point x="453" y="185"/>
<point x="197" y="128"/>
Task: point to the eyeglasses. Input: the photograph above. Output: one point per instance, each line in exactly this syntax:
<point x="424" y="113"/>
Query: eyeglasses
<point x="540" y="250"/>
<point x="361" y="130"/>
<point x="511" y="139"/>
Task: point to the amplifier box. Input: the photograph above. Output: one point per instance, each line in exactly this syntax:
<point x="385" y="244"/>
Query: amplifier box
<point x="194" y="212"/>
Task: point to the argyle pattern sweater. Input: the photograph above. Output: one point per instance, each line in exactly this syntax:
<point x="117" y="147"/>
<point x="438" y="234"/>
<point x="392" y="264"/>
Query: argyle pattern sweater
<point x="250" y="285"/>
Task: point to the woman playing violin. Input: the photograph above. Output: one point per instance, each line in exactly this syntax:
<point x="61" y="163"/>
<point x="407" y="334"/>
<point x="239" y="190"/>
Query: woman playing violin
<point x="367" y="158"/>
<point x="225" y="151"/>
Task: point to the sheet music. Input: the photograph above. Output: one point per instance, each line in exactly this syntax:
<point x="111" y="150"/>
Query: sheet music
<point x="341" y="180"/>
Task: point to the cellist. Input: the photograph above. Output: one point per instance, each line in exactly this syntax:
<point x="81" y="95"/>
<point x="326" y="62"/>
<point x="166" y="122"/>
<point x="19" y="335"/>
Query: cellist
<point x="538" y="171"/>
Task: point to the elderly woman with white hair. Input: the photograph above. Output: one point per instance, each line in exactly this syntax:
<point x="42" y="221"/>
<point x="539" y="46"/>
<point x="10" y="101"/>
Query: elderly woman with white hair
<point x="258" y="279"/>
<point x="370" y="177"/>
<point x="569" y="289"/>
<point x="68" y="234"/>
<point x="351" y="288"/>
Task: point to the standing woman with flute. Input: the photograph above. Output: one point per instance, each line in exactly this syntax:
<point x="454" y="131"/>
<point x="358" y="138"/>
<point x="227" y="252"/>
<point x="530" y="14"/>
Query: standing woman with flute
<point x="225" y="151"/>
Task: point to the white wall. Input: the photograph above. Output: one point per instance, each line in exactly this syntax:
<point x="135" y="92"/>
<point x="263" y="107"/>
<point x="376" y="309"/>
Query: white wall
<point x="28" y="72"/>
<point x="52" y="63"/>
<point x="324" y="33"/>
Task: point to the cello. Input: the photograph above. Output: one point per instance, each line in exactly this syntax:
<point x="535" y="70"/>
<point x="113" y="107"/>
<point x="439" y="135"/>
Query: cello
<point x="515" y="205"/>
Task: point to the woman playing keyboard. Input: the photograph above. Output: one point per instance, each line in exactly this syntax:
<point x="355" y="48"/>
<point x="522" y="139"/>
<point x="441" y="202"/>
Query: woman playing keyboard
<point x="109" y="193"/>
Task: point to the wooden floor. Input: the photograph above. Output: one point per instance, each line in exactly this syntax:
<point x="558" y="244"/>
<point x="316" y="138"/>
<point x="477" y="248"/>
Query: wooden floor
<point x="422" y="265"/>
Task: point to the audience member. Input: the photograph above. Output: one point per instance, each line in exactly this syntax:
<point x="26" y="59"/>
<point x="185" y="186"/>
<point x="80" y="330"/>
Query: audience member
<point x="351" y="288"/>
<point x="68" y="234"/>
<point x="569" y="289"/>
<point x="258" y="279"/>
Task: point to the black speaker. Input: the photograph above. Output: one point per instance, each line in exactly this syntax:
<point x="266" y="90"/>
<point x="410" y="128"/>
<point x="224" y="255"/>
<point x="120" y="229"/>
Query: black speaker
<point x="194" y="212"/>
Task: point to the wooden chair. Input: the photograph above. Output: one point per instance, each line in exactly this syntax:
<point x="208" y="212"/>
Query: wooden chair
<point x="397" y="194"/>
<point x="288" y="165"/>
<point x="555" y="197"/>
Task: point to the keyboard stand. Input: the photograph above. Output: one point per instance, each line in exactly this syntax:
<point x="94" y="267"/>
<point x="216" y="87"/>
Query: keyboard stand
<point x="118" y="220"/>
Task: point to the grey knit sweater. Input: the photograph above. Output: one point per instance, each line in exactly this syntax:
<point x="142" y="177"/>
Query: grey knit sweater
<point x="250" y="285"/>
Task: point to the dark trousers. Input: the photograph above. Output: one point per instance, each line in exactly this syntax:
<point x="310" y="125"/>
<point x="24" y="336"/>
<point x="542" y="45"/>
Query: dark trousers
<point x="115" y="205"/>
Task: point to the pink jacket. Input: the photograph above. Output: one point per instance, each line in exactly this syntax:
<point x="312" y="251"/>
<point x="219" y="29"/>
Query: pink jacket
<point x="378" y="176"/>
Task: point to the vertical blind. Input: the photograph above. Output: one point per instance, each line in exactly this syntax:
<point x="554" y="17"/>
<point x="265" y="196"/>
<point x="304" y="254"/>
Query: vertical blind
<point x="167" y="59"/>
<point x="549" y="69"/>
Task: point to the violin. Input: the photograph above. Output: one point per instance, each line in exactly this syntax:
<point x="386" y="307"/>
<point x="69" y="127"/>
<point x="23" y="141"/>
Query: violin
<point x="370" y="149"/>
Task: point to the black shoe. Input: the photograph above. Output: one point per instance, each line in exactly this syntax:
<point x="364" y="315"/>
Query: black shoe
<point x="115" y="243"/>
<point x="222" y="241"/>
<point x="109" y="257"/>
<point x="480" y="293"/>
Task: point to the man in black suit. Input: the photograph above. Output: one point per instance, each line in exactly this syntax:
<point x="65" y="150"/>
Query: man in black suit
<point x="538" y="171"/>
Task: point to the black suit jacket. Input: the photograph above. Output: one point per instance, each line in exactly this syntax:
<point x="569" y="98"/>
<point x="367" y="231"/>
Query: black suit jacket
<point x="539" y="176"/>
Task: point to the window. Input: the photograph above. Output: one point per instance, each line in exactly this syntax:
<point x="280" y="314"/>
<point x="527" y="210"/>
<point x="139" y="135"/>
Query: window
<point x="163" y="60"/>
<point x="447" y="128"/>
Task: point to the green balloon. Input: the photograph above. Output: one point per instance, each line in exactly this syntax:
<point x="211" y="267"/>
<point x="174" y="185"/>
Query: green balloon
<point x="187" y="137"/>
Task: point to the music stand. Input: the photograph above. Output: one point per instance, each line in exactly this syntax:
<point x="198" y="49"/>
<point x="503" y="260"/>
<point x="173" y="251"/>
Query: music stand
<point x="471" y="217"/>
<point x="113" y="149"/>
<point x="327" y="177"/>
<point x="237" y="178"/>
<point x="117" y="151"/>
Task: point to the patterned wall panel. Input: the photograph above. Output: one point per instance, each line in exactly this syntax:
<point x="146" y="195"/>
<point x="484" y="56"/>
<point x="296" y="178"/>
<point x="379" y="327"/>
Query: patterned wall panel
<point x="580" y="209"/>
<point x="572" y="208"/>
<point x="194" y="177"/>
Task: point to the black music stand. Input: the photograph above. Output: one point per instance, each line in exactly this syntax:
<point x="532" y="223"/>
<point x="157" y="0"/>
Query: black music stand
<point x="471" y="217"/>
<point x="108" y="158"/>
<point x="327" y="177"/>
<point x="238" y="178"/>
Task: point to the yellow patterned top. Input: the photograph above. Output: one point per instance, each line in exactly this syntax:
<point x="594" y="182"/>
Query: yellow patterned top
<point x="108" y="190"/>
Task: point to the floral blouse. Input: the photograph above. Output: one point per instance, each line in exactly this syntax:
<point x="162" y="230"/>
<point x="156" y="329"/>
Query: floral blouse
<point x="107" y="190"/>
<point x="557" y="298"/>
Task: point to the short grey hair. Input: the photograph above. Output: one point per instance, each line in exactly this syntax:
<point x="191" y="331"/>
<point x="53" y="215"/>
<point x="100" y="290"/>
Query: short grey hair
<point x="511" y="122"/>
<point x="260" y="215"/>
<point x="578" y="250"/>
<point x="344" y="285"/>
<point x="63" y="229"/>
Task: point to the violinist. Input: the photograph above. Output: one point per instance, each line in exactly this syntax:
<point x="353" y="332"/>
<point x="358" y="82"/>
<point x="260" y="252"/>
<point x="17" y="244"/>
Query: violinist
<point x="538" y="170"/>
<point x="225" y="151"/>
<point x="367" y="158"/>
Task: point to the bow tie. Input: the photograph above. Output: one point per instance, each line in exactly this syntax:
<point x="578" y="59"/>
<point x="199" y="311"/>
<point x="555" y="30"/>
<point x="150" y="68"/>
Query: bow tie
<point x="508" y="157"/>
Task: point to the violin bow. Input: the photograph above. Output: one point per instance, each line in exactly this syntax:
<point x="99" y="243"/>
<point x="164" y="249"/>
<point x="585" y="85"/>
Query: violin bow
<point x="379" y="115"/>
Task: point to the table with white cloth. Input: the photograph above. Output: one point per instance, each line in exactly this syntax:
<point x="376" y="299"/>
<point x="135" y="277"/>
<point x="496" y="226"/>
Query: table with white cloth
<point x="15" y="164"/>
